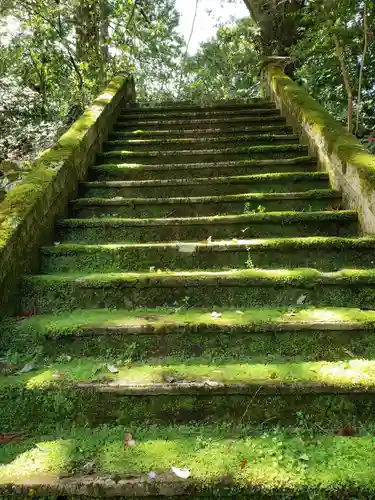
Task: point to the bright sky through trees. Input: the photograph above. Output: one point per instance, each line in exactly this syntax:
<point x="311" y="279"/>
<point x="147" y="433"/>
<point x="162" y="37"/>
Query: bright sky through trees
<point x="206" y="23"/>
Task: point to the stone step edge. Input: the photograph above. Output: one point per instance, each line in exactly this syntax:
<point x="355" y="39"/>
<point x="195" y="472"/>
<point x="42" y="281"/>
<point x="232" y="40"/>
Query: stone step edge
<point x="199" y="140"/>
<point x="167" y="485"/>
<point x="298" y="195"/>
<point x="228" y="179"/>
<point x="259" y="387"/>
<point x="197" y="152"/>
<point x="299" y="160"/>
<point x="300" y="277"/>
<point x="303" y="243"/>
<point x="240" y="119"/>
<point x="260" y="218"/>
<point x="130" y="114"/>
<point x="208" y="107"/>
<point x="197" y="132"/>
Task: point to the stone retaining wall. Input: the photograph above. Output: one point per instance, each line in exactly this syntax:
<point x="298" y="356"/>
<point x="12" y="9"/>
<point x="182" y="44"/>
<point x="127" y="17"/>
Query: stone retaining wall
<point x="29" y="211"/>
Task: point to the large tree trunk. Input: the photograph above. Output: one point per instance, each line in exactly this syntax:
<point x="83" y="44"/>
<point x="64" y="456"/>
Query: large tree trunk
<point x="278" y="22"/>
<point x="89" y="41"/>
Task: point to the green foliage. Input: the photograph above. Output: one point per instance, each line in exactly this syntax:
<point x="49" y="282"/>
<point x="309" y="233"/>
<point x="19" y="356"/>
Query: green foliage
<point x="225" y="67"/>
<point x="55" y="56"/>
<point x="319" y="69"/>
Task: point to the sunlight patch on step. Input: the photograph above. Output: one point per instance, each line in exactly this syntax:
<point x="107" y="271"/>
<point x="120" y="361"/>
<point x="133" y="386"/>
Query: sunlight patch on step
<point x="42" y="458"/>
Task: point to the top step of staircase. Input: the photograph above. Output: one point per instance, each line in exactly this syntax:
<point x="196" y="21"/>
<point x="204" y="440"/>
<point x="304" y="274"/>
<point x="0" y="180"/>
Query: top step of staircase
<point x="190" y="106"/>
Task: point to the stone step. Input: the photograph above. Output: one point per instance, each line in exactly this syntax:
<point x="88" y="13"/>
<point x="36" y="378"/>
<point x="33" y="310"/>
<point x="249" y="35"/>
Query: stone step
<point x="323" y="253"/>
<point x="224" y="106"/>
<point x="259" y="225"/>
<point x="180" y="114"/>
<point x="134" y="171"/>
<point x="203" y="123"/>
<point x="307" y="463"/>
<point x="204" y="155"/>
<point x="201" y="133"/>
<point x="243" y="288"/>
<point x="207" y="186"/>
<point x="324" y="199"/>
<point x="197" y="143"/>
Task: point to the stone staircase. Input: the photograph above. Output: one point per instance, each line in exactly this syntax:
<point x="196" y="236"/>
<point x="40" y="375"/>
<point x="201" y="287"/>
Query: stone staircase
<point x="206" y="305"/>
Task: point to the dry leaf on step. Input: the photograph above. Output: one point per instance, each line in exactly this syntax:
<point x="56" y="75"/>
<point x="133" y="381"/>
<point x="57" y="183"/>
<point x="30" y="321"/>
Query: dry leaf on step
<point x="128" y="440"/>
<point x="187" y="247"/>
<point x="301" y="299"/>
<point x="182" y="473"/>
<point x="349" y="353"/>
<point x="346" y="431"/>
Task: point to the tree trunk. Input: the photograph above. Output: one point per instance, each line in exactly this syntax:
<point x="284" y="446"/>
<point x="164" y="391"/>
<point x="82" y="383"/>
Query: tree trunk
<point x="278" y="22"/>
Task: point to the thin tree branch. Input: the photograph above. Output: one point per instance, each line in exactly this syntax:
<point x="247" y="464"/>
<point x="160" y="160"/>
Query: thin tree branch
<point x="363" y="61"/>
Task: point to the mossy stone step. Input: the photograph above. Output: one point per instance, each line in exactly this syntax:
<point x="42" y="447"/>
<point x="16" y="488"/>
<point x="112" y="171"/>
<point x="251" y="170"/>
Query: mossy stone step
<point x="191" y="106"/>
<point x="199" y="143"/>
<point x="325" y="254"/>
<point x="206" y="206"/>
<point x="134" y="171"/>
<point x="198" y="113"/>
<point x="272" y="224"/>
<point x="207" y="186"/>
<point x="200" y="133"/>
<point x="204" y="123"/>
<point x="254" y="463"/>
<point x="205" y="155"/>
<point x="233" y="288"/>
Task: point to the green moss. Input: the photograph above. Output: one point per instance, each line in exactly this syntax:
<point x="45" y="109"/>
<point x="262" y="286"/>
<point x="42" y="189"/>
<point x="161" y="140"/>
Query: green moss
<point x="245" y="288"/>
<point x="135" y="171"/>
<point x="223" y="152"/>
<point x="278" y="464"/>
<point x="340" y="142"/>
<point x="326" y="254"/>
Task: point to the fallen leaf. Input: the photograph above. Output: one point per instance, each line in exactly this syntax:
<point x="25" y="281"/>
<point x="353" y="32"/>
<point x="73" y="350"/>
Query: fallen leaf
<point x="29" y="367"/>
<point x="182" y="473"/>
<point x="149" y="317"/>
<point x="301" y="299"/>
<point x="152" y="475"/>
<point x="152" y="269"/>
<point x="305" y="458"/>
<point x="349" y="353"/>
<point x="216" y="315"/>
<point x="88" y="468"/>
<point x="187" y="247"/>
<point x="12" y="437"/>
<point x="56" y="243"/>
<point x="243" y="463"/>
<point x="112" y="369"/>
<point x="128" y="440"/>
<point x="239" y="312"/>
<point x="346" y="431"/>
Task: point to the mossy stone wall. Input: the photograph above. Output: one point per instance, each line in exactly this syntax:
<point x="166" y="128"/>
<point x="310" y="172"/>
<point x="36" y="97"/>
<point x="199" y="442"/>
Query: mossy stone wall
<point x="29" y="211"/>
<point x="350" y="165"/>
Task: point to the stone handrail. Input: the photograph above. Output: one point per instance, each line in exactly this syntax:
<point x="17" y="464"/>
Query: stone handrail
<point x="351" y="167"/>
<point x="30" y="209"/>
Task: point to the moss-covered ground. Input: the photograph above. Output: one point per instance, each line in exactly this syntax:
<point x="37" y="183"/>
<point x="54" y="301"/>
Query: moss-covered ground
<point x="209" y="295"/>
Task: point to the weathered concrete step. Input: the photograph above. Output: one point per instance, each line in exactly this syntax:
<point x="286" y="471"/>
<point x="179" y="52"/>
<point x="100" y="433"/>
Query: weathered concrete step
<point x="274" y="224"/>
<point x="209" y="132"/>
<point x="198" y="113"/>
<point x="199" y="142"/>
<point x="324" y="199"/>
<point x="323" y="253"/>
<point x="93" y="323"/>
<point x="133" y="171"/>
<point x="235" y="288"/>
<point x="207" y="186"/>
<point x="274" y="460"/>
<point x="224" y="106"/>
<point x="204" y="123"/>
<point x="205" y="155"/>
